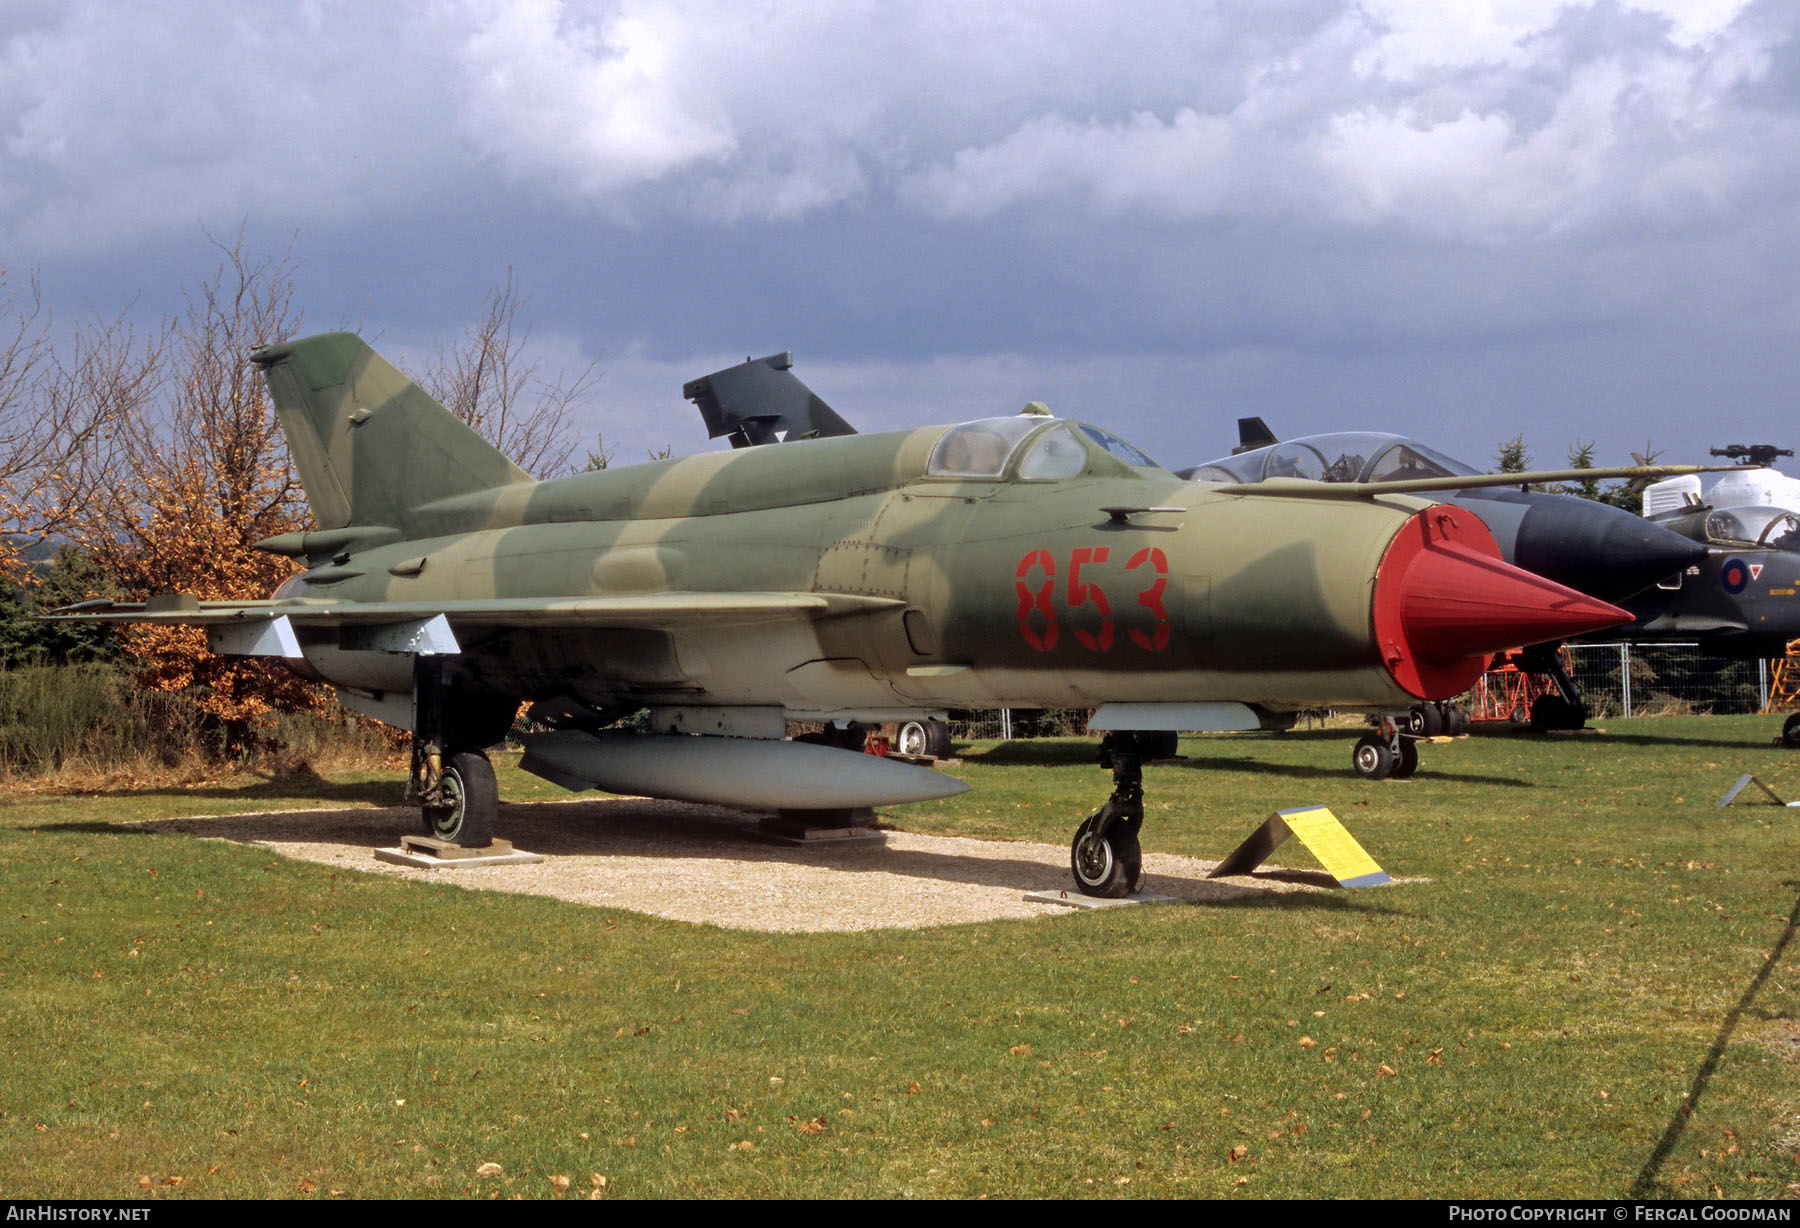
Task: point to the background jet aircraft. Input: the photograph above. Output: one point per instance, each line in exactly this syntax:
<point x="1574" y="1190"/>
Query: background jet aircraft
<point x="1031" y="562"/>
<point x="761" y="401"/>
<point x="1590" y="547"/>
<point x="1740" y="597"/>
<point x="1743" y="599"/>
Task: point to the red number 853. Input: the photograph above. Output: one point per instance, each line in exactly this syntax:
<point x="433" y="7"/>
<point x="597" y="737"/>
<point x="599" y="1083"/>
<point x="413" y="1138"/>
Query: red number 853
<point x="1035" y="583"/>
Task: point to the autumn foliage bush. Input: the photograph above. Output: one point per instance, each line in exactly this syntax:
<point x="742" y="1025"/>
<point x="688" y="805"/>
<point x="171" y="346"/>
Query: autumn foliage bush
<point x="158" y="461"/>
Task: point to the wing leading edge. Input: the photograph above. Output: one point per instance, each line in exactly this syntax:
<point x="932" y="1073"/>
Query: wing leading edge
<point x="634" y="610"/>
<point x="267" y="628"/>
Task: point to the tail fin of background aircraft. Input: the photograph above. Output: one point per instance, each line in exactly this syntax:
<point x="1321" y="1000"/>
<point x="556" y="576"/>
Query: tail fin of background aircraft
<point x="1253" y="433"/>
<point x="761" y="401"/>
<point x="371" y="445"/>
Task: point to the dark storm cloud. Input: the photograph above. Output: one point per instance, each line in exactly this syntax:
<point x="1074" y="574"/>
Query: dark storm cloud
<point x="1571" y="220"/>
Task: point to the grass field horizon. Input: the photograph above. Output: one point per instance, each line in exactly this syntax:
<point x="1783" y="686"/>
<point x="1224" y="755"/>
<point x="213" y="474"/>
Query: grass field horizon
<point x="1589" y="993"/>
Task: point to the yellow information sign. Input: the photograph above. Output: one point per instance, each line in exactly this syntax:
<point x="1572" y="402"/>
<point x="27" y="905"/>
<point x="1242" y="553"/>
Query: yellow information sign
<point x="1319" y="830"/>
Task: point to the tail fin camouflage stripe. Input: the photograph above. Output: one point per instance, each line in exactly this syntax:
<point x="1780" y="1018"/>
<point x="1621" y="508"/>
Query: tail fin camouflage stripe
<point x="371" y="446"/>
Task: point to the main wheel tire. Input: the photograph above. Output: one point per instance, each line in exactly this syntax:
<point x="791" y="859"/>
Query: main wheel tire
<point x="1790" y="732"/>
<point x="1372" y="758"/>
<point x="923" y="739"/>
<point x="1109" y="866"/>
<point x="1550" y="712"/>
<point x="471" y="799"/>
<point x="1406" y="762"/>
<point x="937" y="739"/>
<point x="1160" y="743"/>
<point x="1424" y="720"/>
<point x="913" y="739"/>
<point x="1456" y="719"/>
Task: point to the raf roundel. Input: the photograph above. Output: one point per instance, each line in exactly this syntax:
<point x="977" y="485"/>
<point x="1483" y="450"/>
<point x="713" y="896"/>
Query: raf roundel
<point x="1735" y="575"/>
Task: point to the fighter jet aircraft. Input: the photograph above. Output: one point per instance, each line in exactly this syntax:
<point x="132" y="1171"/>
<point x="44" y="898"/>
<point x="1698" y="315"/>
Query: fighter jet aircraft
<point x="1741" y="599"/>
<point x="1591" y="547"/>
<point x="1025" y="561"/>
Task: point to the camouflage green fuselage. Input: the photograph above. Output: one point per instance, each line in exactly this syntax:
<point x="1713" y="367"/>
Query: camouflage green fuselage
<point x="996" y="591"/>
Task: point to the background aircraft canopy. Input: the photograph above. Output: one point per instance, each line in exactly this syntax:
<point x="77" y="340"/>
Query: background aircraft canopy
<point x="1343" y="456"/>
<point x="1767" y="528"/>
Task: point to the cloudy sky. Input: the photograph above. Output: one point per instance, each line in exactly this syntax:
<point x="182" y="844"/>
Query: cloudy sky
<point x="1462" y="219"/>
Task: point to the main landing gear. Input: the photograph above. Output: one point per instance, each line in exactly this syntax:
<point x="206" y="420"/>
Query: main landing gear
<point x="1429" y="720"/>
<point x="1563" y="710"/>
<point x="451" y="776"/>
<point x="458" y="798"/>
<point x="1105" y="856"/>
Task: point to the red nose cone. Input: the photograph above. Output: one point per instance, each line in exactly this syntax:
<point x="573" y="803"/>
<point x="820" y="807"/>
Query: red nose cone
<point x="1444" y="601"/>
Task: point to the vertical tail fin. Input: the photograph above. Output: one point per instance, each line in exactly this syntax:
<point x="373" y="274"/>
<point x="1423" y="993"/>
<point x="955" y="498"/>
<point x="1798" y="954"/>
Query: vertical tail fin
<point x="371" y="445"/>
<point x="754" y="400"/>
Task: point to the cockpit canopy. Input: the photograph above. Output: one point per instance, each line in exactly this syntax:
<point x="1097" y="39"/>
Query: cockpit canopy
<point x="1345" y="456"/>
<point x="1044" y="449"/>
<point x="1770" y="528"/>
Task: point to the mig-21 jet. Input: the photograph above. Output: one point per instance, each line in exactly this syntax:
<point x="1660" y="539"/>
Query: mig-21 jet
<point x="849" y="579"/>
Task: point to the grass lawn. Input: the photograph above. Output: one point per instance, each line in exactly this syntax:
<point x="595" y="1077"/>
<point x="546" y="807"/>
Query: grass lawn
<point x="1591" y="994"/>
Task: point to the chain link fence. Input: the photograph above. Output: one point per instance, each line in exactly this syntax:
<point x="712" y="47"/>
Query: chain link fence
<point x="1666" y="680"/>
<point x="971" y="724"/>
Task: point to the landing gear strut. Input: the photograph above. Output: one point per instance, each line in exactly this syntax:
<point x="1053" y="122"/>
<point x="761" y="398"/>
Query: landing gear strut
<point x="458" y="797"/>
<point x="1105" y="856"/>
<point x="1563" y="710"/>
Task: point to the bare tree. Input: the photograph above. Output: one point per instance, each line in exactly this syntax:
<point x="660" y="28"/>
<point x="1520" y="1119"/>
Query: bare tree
<point x="490" y="381"/>
<point x="60" y="416"/>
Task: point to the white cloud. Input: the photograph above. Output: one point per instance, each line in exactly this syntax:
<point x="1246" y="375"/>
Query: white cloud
<point x="589" y="106"/>
<point x="1481" y="122"/>
<point x="116" y="123"/>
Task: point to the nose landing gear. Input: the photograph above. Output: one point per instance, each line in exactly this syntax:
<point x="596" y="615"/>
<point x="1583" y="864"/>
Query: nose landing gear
<point x="1105" y="856"/>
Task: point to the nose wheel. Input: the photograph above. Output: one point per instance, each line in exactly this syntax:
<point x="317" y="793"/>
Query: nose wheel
<point x="1388" y="753"/>
<point x="1105" y="857"/>
<point x="1108" y="864"/>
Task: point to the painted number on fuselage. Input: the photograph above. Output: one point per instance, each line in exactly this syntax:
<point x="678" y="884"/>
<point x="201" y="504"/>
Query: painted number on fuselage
<point x="1035" y="583"/>
<point x="1152" y="599"/>
<point x="1037" y="600"/>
